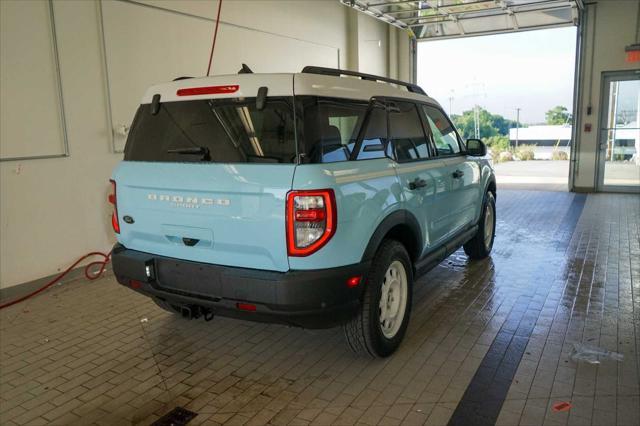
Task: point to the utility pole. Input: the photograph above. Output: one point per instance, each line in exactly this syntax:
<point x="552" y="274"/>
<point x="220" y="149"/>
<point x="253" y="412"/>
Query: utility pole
<point x="450" y="101"/>
<point x="517" y="125"/>
<point x="476" y="121"/>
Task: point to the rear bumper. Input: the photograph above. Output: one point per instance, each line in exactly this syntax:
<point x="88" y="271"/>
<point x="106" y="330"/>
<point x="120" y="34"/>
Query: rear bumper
<point x="310" y="299"/>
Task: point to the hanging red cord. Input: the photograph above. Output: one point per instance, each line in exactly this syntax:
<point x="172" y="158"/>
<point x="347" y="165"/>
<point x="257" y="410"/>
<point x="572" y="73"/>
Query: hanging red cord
<point x="215" y="35"/>
<point x="87" y="273"/>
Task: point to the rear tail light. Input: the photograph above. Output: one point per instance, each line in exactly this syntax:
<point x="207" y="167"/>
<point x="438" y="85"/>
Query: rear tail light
<point x="311" y="220"/>
<point x="115" y="222"/>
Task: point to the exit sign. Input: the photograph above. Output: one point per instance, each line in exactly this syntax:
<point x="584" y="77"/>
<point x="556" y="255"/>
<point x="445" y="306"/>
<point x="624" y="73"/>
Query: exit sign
<point x="633" y="53"/>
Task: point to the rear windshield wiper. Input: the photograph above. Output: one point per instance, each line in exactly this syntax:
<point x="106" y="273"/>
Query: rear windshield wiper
<point x="196" y="150"/>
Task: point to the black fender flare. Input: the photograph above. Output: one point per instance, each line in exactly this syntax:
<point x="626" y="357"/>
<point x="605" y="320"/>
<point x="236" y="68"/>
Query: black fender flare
<point x="490" y="181"/>
<point x="398" y="217"/>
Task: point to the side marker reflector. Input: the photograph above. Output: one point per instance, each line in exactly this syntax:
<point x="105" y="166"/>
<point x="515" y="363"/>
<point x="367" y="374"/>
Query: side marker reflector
<point x="246" y="307"/>
<point x="354" y="281"/>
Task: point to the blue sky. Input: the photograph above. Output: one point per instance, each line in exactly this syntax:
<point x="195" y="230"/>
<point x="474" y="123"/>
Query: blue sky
<point x="531" y="70"/>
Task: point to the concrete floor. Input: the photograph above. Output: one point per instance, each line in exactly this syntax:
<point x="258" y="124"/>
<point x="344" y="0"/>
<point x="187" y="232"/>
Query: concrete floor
<point x="554" y="175"/>
<point x="539" y="175"/>
<point x="489" y="341"/>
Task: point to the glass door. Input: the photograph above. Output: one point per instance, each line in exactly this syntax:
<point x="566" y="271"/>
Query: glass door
<point x="619" y="137"/>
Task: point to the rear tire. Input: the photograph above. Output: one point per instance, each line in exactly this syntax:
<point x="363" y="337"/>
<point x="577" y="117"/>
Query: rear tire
<point x="379" y="327"/>
<point x="479" y="247"/>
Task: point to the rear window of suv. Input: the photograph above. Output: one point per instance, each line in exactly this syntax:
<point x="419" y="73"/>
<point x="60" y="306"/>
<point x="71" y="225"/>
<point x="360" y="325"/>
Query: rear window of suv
<point x="214" y="130"/>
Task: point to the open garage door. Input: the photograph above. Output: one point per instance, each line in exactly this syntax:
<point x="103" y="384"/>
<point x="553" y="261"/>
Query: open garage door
<point x="513" y="91"/>
<point x="429" y="19"/>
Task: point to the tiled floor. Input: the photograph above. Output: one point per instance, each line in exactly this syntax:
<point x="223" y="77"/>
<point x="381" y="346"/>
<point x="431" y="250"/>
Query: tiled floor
<point x="488" y="341"/>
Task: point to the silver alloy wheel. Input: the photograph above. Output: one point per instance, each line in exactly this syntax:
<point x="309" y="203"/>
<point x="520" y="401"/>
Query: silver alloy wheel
<point x="393" y="299"/>
<point x="489" y="219"/>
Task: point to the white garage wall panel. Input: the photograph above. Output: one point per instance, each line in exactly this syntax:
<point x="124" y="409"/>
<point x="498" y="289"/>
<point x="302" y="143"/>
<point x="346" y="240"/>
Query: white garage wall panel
<point x="32" y="119"/>
<point x="54" y="210"/>
<point x="145" y="45"/>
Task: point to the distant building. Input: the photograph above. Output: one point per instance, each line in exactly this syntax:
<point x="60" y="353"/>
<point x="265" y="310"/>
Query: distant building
<point x="623" y="144"/>
<point x="545" y="138"/>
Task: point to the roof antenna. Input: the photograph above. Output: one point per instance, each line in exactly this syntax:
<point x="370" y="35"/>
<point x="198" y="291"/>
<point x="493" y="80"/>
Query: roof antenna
<point x="245" y="69"/>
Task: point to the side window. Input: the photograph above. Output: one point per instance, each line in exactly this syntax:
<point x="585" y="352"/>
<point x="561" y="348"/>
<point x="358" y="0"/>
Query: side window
<point x="330" y="127"/>
<point x="407" y="139"/>
<point x="375" y="137"/>
<point x="444" y="135"/>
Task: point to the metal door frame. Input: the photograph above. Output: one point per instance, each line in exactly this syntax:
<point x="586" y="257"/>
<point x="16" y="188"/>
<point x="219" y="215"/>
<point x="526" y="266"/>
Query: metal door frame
<point x="606" y="79"/>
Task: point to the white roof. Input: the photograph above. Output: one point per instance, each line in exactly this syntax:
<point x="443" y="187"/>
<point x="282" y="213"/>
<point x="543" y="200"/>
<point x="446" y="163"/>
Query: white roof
<point x="281" y="85"/>
<point x="541" y="133"/>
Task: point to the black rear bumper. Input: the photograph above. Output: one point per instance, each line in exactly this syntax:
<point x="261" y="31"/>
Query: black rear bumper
<point x="310" y="299"/>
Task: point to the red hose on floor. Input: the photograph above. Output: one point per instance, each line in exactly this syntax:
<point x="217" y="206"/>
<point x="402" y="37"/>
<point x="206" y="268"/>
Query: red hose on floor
<point x="87" y="273"/>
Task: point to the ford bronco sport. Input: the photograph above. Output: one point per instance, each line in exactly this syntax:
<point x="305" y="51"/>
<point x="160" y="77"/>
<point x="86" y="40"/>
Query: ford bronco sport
<point x="312" y="199"/>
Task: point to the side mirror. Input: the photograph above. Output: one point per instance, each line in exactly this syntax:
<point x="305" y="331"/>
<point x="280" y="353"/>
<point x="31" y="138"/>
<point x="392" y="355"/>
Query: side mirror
<point x="476" y="148"/>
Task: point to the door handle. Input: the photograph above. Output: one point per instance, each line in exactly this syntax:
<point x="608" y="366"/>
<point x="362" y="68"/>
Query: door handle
<point x="417" y="183"/>
<point x="458" y="174"/>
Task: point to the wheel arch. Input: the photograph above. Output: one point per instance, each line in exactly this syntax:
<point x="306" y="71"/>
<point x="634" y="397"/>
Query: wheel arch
<point x="401" y="226"/>
<point x="491" y="187"/>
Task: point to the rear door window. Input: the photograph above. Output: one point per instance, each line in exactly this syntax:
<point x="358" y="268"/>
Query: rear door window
<point x="214" y="130"/>
<point x="443" y="133"/>
<point x="407" y="139"/>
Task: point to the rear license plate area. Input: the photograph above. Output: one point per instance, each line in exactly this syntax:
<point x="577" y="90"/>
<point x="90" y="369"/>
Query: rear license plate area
<point x="188" y="278"/>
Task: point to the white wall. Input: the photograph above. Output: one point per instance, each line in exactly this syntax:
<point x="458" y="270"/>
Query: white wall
<point x="373" y="45"/>
<point x="615" y="28"/>
<point x="54" y="210"/>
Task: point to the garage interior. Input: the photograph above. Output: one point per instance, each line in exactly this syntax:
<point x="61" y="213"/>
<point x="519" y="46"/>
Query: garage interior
<point x="507" y="340"/>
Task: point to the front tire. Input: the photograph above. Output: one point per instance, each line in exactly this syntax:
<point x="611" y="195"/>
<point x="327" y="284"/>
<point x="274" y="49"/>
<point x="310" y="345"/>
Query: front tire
<point x="379" y="327"/>
<point x="479" y="247"/>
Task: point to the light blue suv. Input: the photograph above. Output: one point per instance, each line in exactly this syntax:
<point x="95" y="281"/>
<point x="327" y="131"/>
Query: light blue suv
<point x="312" y="199"/>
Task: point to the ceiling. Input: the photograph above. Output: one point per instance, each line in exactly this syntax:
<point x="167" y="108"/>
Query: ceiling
<point x="437" y="19"/>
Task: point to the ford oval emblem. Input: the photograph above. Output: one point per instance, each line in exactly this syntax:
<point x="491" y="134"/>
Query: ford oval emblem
<point x="128" y="219"/>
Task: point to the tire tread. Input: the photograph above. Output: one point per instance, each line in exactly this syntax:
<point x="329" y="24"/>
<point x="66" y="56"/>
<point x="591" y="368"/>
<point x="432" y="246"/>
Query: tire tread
<point x="474" y="248"/>
<point x="357" y="331"/>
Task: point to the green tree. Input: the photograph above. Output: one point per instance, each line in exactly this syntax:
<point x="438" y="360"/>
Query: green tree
<point x="498" y="143"/>
<point x="489" y="124"/>
<point x="558" y="115"/>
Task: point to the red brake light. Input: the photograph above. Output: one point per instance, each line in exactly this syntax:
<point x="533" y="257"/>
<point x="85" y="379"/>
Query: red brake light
<point x="115" y="222"/>
<point x="311" y="220"/>
<point x="208" y="90"/>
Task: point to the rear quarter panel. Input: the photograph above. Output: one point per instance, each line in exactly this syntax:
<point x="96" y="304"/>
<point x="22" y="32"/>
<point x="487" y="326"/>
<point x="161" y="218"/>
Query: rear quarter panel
<point x="366" y="192"/>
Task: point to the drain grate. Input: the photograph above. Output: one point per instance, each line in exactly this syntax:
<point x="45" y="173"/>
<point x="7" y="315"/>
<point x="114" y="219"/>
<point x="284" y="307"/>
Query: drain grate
<point x="177" y="417"/>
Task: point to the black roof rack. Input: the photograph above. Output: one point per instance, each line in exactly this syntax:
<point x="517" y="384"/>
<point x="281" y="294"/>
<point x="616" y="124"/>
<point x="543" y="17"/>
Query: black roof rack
<point x="335" y="72"/>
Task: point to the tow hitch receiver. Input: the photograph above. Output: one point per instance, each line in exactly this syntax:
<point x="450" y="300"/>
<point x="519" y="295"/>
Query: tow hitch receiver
<point x="195" y="312"/>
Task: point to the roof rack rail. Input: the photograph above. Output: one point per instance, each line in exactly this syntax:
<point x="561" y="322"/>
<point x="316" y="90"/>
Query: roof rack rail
<point x="413" y="88"/>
